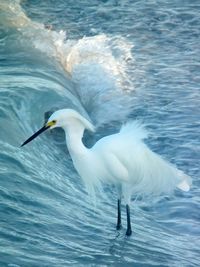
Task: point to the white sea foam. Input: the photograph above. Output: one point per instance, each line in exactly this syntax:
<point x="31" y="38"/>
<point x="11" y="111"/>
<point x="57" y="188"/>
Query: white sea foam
<point x="98" y="65"/>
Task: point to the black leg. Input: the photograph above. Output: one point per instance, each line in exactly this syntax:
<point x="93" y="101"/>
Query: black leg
<point x="119" y="224"/>
<point x="128" y="231"/>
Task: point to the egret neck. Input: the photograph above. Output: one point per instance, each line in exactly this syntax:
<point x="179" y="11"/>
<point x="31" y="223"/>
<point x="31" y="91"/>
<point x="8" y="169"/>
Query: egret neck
<point x="74" y="134"/>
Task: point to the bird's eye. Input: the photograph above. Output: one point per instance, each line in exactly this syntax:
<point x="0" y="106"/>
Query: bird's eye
<point x="54" y="121"/>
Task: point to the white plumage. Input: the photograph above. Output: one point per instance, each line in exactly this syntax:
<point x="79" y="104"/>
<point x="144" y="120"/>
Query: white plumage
<point x="122" y="158"/>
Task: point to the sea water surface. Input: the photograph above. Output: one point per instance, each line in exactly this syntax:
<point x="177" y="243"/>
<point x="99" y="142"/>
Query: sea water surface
<point x="111" y="61"/>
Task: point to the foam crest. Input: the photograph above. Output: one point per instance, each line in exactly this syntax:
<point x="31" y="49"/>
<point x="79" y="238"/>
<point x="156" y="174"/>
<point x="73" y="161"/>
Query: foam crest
<point x="98" y="65"/>
<point x="12" y="14"/>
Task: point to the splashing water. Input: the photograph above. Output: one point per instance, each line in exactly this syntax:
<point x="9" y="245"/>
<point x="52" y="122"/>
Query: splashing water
<point x="97" y="65"/>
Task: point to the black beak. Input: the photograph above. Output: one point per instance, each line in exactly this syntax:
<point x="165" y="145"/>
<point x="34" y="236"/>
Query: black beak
<point x="44" y="128"/>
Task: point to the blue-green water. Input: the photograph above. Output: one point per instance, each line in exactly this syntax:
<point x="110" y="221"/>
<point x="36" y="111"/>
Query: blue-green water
<point x="109" y="60"/>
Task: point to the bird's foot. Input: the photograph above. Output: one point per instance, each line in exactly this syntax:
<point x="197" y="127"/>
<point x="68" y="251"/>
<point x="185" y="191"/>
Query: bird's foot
<point x="128" y="232"/>
<point x="119" y="227"/>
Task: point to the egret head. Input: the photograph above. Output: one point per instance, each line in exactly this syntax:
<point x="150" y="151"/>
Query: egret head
<point x="63" y="118"/>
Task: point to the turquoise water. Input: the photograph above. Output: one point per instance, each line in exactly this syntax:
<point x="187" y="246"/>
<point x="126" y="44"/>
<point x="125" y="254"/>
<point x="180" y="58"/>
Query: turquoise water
<point x="110" y="60"/>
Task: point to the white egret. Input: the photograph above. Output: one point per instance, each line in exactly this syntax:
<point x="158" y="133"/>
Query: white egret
<point x="122" y="158"/>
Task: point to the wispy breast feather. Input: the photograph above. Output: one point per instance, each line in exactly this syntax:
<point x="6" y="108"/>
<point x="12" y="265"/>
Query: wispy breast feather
<point x="135" y="129"/>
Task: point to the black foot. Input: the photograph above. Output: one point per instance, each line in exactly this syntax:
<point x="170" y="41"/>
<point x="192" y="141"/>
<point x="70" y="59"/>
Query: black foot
<point x="119" y="227"/>
<point x="129" y="232"/>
